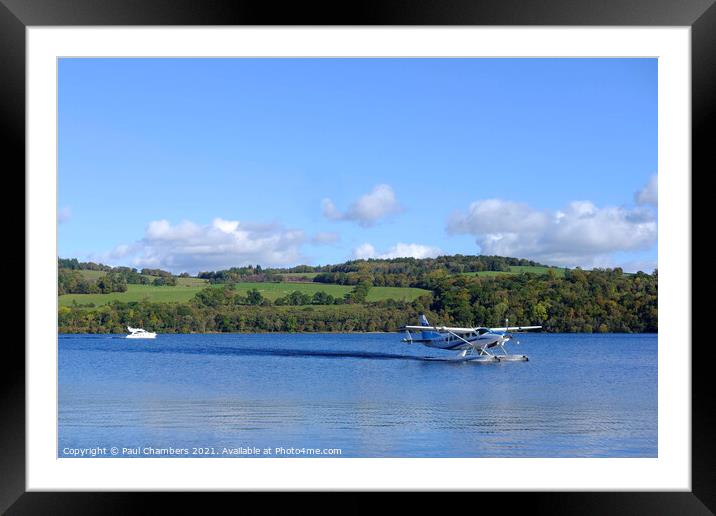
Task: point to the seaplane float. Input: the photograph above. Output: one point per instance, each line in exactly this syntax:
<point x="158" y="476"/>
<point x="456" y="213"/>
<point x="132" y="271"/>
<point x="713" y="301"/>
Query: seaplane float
<point x="473" y="344"/>
<point x="139" y="333"/>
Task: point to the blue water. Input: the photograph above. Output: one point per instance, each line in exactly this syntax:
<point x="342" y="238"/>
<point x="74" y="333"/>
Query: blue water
<point x="367" y="395"/>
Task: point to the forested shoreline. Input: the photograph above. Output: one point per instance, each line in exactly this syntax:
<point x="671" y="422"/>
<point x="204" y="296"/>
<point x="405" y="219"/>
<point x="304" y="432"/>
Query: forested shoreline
<point x="601" y="300"/>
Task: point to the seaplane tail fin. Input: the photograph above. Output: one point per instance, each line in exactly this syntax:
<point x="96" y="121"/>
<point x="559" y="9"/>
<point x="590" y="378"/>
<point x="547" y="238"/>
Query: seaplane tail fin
<point x="427" y="334"/>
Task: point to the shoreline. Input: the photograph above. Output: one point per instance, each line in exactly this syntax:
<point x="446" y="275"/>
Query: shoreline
<point x="350" y="333"/>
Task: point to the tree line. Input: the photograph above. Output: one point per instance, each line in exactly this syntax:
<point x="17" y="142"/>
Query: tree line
<point x="601" y="300"/>
<point x="71" y="281"/>
<point x="227" y="296"/>
<point x="189" y="318"/>
<point x="248" y="273"/>
<point x="395" y="272"/>
<point x="455" y="264"/>
<point x="76" y="265"/>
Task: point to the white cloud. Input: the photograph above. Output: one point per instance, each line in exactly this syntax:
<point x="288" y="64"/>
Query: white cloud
<point x="648" y="194"/>
<point x="223" y="243"/>
<point x="581" y="234"/>
<point x="494" y="216"/>
<point x="329" y="210"/>
<point x="63" y="214"/>
<point x="364" y="251"/>
<point x="325" y="238"/>
<point x="368" y="209"/>
<point x="399" y="250"/>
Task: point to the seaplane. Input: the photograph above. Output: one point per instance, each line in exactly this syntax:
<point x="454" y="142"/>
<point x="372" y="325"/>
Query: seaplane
<point x="139" y="333"/>
<point x="479" y="344"/>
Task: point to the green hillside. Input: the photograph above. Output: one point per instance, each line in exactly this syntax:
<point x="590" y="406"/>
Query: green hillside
<point x="185" y="290"/>
<point x="519" y="269"/>
<point x="360" y="295"/>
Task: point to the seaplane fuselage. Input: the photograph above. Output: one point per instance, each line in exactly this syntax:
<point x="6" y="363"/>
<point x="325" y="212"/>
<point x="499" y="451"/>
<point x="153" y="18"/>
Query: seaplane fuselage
<point x="481" y="338"/>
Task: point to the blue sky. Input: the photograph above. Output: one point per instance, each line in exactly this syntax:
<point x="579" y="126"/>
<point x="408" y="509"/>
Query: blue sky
<point x="199" y="164"/>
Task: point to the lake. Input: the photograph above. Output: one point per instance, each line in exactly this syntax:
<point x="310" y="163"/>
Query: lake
<point x="354" y="395"/>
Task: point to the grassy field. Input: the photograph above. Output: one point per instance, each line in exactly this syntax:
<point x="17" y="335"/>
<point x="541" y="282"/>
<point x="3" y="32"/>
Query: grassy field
<point x="304" y="276"/>
<point x="519" y="269"/>
<point x="180" y="294"/>
<point x="184" y="292"/>
<point x="95" y="275"/>
<point x="192" y="282"/>
<point x="91" y="275"/>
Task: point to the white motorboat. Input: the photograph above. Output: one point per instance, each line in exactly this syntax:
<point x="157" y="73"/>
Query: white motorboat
<point x="139" y="333"/>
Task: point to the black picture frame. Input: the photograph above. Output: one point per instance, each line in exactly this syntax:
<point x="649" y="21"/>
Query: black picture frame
<point x="16" y="15"/>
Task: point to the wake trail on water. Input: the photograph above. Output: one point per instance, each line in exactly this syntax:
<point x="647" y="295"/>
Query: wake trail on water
<point x="283" y="352"/>
<point x="279" y="352"/>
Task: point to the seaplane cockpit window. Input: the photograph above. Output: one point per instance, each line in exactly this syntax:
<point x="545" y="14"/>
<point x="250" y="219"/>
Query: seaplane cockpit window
<point x="482" y="331"/>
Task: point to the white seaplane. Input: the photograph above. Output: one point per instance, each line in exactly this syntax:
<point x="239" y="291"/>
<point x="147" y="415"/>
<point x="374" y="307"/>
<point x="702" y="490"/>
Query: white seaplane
<point x="139" y="333"/>
<point x="473" y="343"/>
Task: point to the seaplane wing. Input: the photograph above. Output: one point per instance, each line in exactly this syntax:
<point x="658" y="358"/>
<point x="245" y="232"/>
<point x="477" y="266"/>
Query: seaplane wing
<point x="516" y="328"/>
<point x="440" y="328"/>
